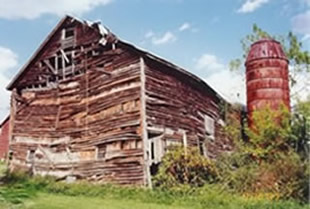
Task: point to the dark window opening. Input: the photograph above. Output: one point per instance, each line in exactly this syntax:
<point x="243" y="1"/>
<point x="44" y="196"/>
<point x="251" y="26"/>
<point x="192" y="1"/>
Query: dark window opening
<point x="89" y="54"/>
<point x="153" y="134"/>
<point x="52" y="62"/>
<point x="59" y="62"/>
<point x="201" y="147"/>
<point x="31" y="155"/>
<point x="152" y="151"/>
<point x="101" y="151"/>
<point x="52" y="79"/>
<point x="122" y="145"/>
<point x="78" y="72"/>
<point x="77" y="62"/>
<point x="154" y="168"/>
<point x="68" y="49"/>
<point x="69" y="74"/>
<point x="10" y="155"/>
<point x="95" y="52"/>
<point x="69" y="33"/>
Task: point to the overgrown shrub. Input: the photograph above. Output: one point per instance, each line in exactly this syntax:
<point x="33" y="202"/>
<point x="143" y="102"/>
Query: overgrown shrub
<point x="182" y="166"/>
<point x="266" y="165"/>
<point x="236" y="172"/>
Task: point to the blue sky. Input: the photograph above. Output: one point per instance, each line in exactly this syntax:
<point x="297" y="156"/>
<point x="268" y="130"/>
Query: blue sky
<point x="199" y="35"/>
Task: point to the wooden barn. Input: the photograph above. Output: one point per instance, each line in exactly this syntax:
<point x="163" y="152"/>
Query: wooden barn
<point x="88" y="105"/>
<point x="4" y="138"/>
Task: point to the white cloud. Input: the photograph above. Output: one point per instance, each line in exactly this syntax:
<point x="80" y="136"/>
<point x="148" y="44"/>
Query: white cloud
<point x="251" y="5"/>
<point x="185" y="26"/>
<point x="209" y="63"/>
<point x="168" y="37"/>
<point x="149" y="34"/>
<point x="307" y="2"/>
<point x="301" y="23"/>
<point x="8" y="60"/>
<point x="31" y="9"/>
<point x="228" y="84"/>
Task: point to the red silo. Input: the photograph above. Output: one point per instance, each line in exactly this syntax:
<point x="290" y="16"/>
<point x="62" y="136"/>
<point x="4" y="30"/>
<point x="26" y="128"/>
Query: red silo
<point x="267" y="77"/>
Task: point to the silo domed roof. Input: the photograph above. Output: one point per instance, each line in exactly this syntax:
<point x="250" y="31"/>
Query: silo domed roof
<point x="265" y="48"/>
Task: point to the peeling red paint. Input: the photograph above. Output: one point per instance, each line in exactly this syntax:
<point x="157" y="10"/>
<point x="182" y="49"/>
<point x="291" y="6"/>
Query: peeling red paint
<point x="267" y="76"/>
<point x="4" y="138"/>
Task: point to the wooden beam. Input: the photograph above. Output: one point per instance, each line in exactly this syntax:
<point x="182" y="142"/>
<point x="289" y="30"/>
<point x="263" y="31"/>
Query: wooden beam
<point x="50" y="67"/>
<point x="12" y="118"/>
<point x="101" y="70"/>
<point x="146" y="147"/>
<point x="184" y="141"/>
<point x="64" y="56"/>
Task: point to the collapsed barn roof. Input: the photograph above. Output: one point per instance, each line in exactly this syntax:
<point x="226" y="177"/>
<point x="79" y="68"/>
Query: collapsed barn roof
<point x="107" y="37"/>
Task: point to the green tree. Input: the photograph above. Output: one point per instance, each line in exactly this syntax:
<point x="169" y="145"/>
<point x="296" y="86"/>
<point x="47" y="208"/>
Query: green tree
<point x="301" y="128"/>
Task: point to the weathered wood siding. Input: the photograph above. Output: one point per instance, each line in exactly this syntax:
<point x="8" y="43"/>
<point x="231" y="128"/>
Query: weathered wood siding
<point x="4" y="138"/>
<point x="86" y="124"/>
<point x="176" y="106"/>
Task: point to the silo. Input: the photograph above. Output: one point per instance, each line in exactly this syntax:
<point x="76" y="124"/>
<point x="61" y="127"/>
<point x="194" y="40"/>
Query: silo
<point x="267" y="77"/>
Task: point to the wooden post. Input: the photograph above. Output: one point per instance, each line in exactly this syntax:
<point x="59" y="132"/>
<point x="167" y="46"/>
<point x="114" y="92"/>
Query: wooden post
<point x="12" y="119"/>
<point x="185" y="141"/>
<point x="146" y="147"/>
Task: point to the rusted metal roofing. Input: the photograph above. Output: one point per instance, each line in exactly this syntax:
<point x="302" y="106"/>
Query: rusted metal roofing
<point x="265" y="48"/>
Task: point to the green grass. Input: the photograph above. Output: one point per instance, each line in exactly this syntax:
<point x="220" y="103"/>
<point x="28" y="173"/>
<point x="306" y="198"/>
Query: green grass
<point x="2" y="168"/>
<point x="22" y="192"/>
<point x="80" y="196"/>
<point x="52" y="201"/>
